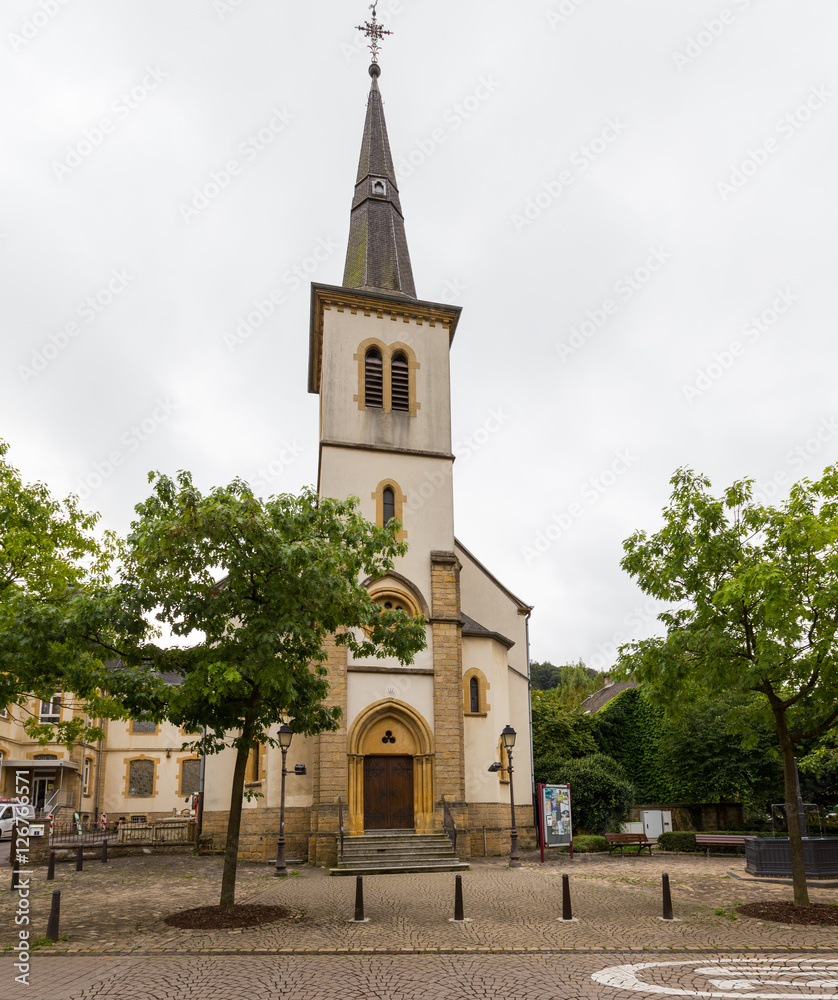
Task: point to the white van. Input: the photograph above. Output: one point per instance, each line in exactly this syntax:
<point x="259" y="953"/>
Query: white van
<point x="9" y="813"/>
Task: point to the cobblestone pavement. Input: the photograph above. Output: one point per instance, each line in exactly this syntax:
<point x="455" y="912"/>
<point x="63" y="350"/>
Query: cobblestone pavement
<point x="115" y="945"/>
<point x="545" y="976"/>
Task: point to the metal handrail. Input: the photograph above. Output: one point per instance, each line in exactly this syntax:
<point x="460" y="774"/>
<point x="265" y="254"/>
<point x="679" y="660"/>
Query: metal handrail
<point x="340" y="823"/>
<point x="449" y="824"/>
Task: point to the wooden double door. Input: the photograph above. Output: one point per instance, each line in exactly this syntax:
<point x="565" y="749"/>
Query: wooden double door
<point x="388" y="792"/>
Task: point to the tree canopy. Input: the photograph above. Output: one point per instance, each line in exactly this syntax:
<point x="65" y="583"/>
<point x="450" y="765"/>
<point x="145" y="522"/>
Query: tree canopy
<point x="573" y="681"/>
<point x="755" y="592"/>
<point x="255" y="588"/>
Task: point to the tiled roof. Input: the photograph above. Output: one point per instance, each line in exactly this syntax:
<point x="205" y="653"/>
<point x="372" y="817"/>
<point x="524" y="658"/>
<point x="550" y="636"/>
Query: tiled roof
<point x="377" y="258"/>
<point x="593" y="703"/>
<point x="471" y="627"/>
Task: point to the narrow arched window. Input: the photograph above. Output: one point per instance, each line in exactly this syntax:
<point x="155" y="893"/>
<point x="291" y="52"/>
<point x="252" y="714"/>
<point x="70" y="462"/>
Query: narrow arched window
<point x="388" y="506"/>
<point x="373" y="378"/>
<point x="474" y="694"/>
<point x="400" y="382"/>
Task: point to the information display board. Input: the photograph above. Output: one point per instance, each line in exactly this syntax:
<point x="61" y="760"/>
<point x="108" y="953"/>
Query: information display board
<point x="556" y="821"/>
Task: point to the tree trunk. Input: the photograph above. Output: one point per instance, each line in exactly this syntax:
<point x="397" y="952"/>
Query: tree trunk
<point x="798" y="864"/>
<point x="231" y="852"/>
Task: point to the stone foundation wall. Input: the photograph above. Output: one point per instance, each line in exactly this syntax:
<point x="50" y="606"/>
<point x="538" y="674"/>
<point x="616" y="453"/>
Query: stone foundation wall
<point x="494" y="818"/>
<point x="259" y="832"/>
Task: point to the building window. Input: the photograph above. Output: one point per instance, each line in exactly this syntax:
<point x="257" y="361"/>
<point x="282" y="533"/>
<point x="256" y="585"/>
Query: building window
<point x="4" y="713"/>
<point x="373" y="379"/>
<point x="379" y="188"/>
<point x="256" y="763"/>
<point x="86" y="777"/>
<point x="400" y="382"/>
<point x="143" y="727"/>
<point x="51" y="710"/>
<point x="475" y="693"/>
<point x="190" y="776"/>
<point x="388" y="505"/>
<point x="141" y="778"/>
<point x="45" y="756"/>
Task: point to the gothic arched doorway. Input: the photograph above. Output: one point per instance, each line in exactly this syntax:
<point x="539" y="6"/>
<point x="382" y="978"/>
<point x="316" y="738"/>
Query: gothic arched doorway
<point x="390" y="770"/>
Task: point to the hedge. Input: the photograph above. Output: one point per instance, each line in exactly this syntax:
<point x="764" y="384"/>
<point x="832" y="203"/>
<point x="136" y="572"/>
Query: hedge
<point x="587" y="844"/>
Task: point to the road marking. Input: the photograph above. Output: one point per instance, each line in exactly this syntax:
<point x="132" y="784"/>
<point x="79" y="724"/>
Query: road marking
<point x="737" y="977"/>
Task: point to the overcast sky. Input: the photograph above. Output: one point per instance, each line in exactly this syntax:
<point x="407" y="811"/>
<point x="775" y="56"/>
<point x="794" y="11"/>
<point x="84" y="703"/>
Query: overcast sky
<point x="634" y="202"/>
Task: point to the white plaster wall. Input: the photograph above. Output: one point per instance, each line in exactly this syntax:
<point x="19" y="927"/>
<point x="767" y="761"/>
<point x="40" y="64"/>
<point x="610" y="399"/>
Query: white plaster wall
<point x="481" y="734"/>
<point x="366" y="689"/>
<point x="341" y="418"/>
<point x="428" y="515"/>
<point x="484" y="601"/>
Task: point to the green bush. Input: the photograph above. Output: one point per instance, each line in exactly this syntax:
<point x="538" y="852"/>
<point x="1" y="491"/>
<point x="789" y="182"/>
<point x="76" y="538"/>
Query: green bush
<point x="600" y="794"/>
<point x="677" y="841"/>
<point x="587" y="844"/>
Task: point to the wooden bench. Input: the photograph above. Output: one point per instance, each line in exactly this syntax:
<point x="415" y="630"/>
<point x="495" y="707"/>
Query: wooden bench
<point x="708" y="840"/>
<point x="622" y="840"/>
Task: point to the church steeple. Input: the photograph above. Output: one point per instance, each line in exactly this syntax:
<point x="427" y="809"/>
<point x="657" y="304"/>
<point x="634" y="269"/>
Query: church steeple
<point x="377" y="258"/>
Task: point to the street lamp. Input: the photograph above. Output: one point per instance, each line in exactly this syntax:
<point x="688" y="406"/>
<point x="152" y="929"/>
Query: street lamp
<point x="285" y="735"/>
<point x="508" y="740"/>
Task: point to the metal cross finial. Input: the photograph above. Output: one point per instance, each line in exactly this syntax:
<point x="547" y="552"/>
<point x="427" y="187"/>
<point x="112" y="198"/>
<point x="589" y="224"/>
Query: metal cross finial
<point x="374" y="31"/>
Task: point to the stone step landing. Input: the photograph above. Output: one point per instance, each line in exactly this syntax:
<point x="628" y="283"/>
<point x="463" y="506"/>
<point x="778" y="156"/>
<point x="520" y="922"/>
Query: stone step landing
<point x="391" y="852"/>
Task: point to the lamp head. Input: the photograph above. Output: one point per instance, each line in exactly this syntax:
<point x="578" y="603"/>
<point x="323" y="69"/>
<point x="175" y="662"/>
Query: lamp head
<point x="285" y="736"/>
<point x="497" y="766"/>
<point x="508" y="737"/>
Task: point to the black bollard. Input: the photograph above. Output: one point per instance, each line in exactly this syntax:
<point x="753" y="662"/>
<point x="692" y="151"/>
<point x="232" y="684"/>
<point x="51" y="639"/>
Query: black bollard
<point x="15" y="870"/>
<point x="51" y="867"/>
<point x="105" y="851"/>
<point x="359" y="899"/>
<point x="79" y="858"/>
<point x="54" y="913"/>
<point x="458" y="898"/>
<point x="567" y="913"/>
<point x="667" y="898"/>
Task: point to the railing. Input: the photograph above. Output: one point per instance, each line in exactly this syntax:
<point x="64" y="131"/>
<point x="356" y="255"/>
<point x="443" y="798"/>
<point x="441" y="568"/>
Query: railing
<point x="177" y="830"/>
<point x="448" y="824"/>
<point x="340" y="823"/>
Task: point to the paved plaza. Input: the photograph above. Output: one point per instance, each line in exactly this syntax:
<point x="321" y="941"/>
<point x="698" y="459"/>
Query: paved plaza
<point x="513" y="945"/>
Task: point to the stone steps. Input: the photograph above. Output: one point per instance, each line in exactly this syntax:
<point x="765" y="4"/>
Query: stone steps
<point x="389" y="852"/>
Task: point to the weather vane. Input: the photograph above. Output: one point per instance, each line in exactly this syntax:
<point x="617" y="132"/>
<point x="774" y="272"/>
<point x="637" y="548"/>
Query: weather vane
<point x="374" y="32"/>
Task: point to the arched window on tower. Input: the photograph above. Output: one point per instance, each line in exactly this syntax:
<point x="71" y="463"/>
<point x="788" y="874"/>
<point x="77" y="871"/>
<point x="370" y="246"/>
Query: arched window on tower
<point x="474" y="694"/>
<point x="400" y="384"/>
<point x="373" y="378"/>
<point x="388" y="506"/>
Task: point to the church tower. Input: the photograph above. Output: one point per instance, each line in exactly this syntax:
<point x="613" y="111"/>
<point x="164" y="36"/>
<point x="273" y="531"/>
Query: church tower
<point x="379" y="360"/>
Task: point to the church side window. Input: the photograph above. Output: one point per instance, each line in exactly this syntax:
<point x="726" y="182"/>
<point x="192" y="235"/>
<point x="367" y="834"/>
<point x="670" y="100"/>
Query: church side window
<point x="474" y="694"/>
<point x="388" y="505"/>
<point x="400" y="382"/>
<point x="373" y="378"/>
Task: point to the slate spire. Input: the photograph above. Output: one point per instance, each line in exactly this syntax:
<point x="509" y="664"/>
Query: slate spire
<point x="377" y="258"/>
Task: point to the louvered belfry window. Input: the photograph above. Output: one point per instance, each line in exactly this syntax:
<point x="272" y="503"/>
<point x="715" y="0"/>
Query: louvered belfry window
<point x="401" y="383"/>
<point x="373" y="379"/>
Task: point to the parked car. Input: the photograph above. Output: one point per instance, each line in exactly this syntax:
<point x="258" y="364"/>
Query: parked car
<point x="9" y="813"/>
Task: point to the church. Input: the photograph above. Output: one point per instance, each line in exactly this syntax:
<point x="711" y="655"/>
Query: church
<point x="415" y="743"/>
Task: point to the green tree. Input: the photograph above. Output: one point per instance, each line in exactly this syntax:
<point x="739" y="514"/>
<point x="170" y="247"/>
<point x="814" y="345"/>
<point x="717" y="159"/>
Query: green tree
<point x="600" y="792"/>
<point x="573" y="681"/>
<point x="58" y="613"/>
<point x="556" y="731"/>
<point x="755" y="592"/>
<point x="257" y="588"/>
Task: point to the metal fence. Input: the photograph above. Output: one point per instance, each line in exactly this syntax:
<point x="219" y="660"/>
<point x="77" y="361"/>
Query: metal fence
<point x="67" y="833"/>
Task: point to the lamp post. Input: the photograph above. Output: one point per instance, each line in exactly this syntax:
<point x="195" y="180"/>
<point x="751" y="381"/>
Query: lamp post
<point x="508" y="739"/>
<point x="285" y="735"/>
